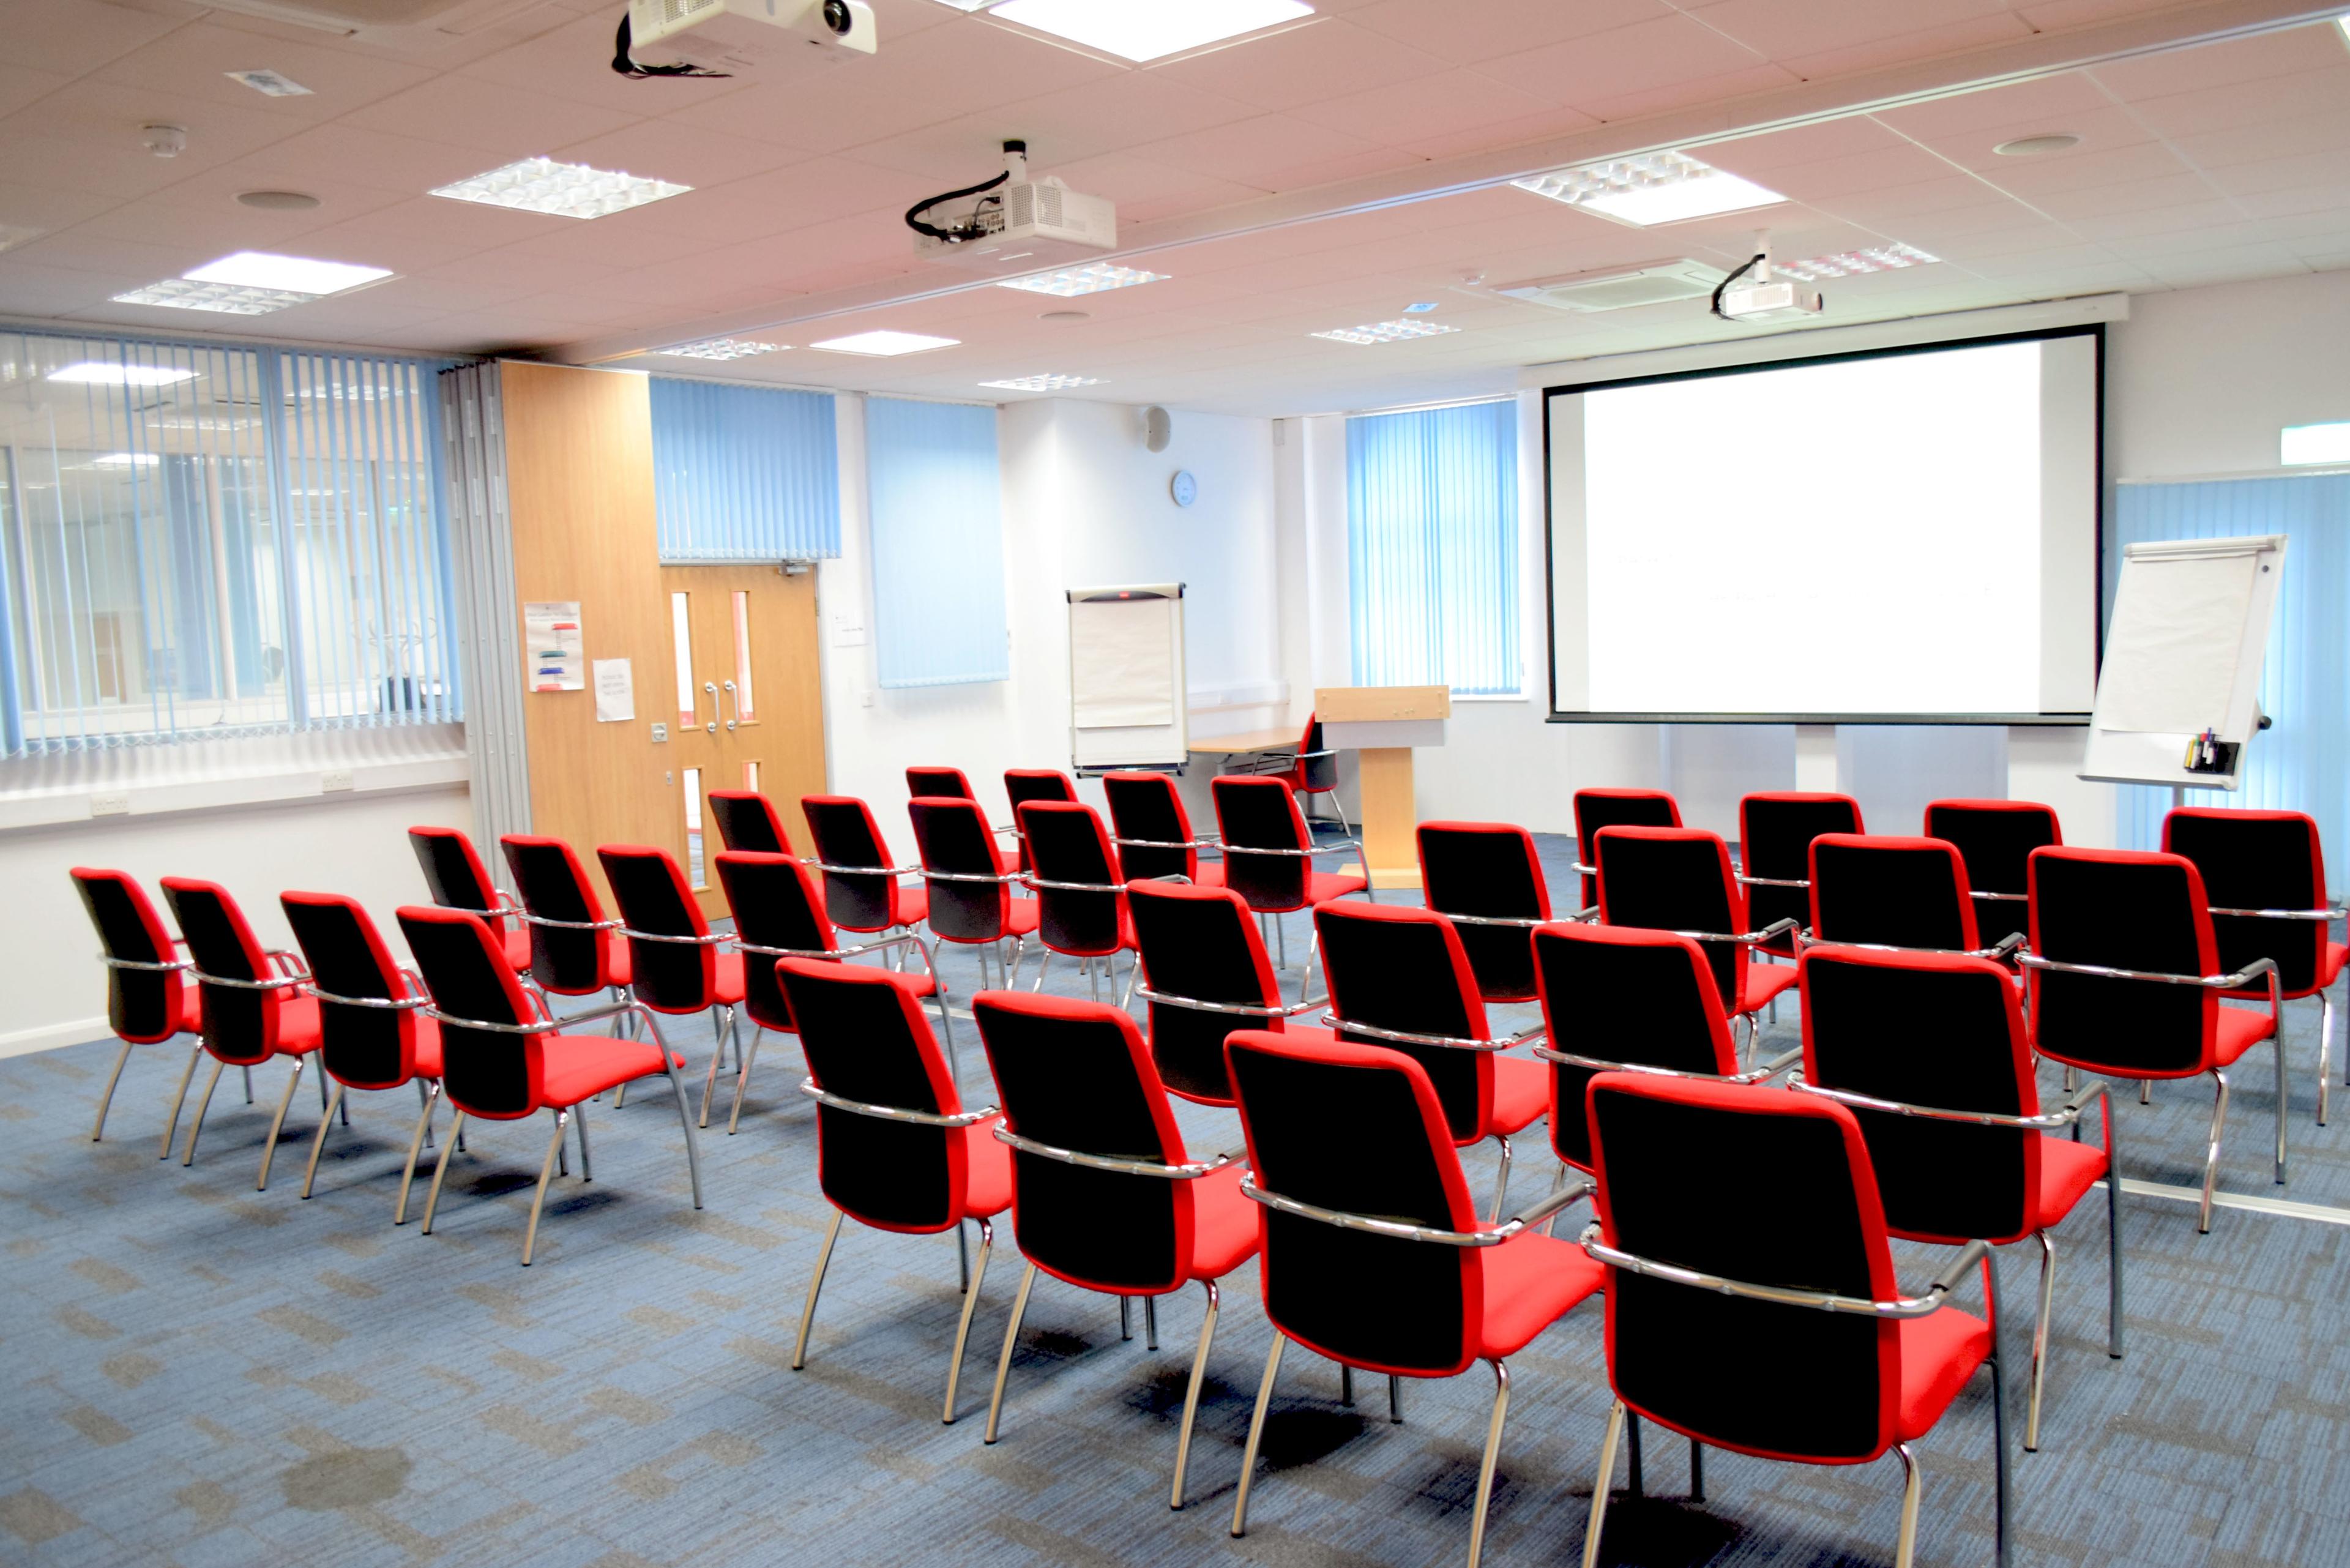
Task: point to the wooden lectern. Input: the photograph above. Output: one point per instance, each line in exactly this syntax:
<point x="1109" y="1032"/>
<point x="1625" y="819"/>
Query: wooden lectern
<point x="1383" y="724"/>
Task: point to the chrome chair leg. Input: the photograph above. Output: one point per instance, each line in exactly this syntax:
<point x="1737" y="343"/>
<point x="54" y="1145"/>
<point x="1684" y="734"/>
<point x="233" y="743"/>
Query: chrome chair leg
<point x="195" y="1054"/>
<point x="2040" y="1341"/>
<point x="1608" y="1441"/>
<point x="1549" y="1225"/>
<point x="718" y="1026"/>
<point x="1093" y="978"/>
<point x="1306" y="976"/>
<point x="2146" y="1091"/>
<point x="2325" y="1060"/>
<point x="1904" y="1550"/>
<point x="189" y="1157"/>
<point x="2211" y="1159"/>
<point x="742" y="1080"/>
<point x="248" y="1085"/>
<point x="1394" y="1399"/>
<point x="416" y="1142"/>
<point x="1493" y="1454"/>
<point x="1133" y="968"/>
<point x="1256" y="1435"/>
<point x="1124" y="1318"/>
<point x="963" y="1259"/>
<point x="685" y="1123"/>
<point x="2113" y="1246"/>
<point x="441" y="1169"/>
<point x="1044" y="964"/>
<point x="318" y="1143"/>
<point x="1281" y="937"/>
<point x="969" y="1306"/>
<point x="1345" y="1386"/>
<point x="1004" y="1361"/>
<point x="1697" y="1470"/>
<point x="1192" y="1395"/>
<point x="278" y="1124"/>
<point x="816" y="1283"/>
<point x="1019" y="952"/>
<point x="579" y="1126"/>
<point x="97" y="1130"/>
<point x="423" y="1098"/>
<point x="2277" y="1040"/>
<point x="545" y="1170"/>
<point x="1502" y="1186"/>
<point x="1150" y="1323"/>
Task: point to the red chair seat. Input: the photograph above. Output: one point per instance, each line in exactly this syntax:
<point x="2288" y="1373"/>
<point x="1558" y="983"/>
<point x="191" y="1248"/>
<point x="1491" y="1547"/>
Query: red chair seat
<point x="516" y="943"/>
<point x="1763" y="982"/>
<point x="2068" y="1171"/>
<point x="2240" y="1029"/>
<point x="1211" y="874"/>
<point x="1020" y="919"/>
<point x="912" y="905"/>
<point x="729" y="989"/>
<point x="191" y="1011"/>
<point x="1223" y="1225"/>
<point x="1938" y="1353"/>
<point x="987" y="1190"/>
<point x="1321" y="887"/>
<point x="619" y="964"/>
<point x="582" y="1066"/>
<point x="1531" y="1280"/>
<point x="1521" y="1093"/>
<point x="427" y="1047"/>
<point x="298" y="1026"/>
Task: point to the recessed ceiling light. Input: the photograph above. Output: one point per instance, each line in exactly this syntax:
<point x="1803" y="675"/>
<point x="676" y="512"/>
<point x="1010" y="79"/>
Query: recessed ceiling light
<point x="1063" y="317"/>
<point x="564" y="190"/>
<point x="722" y="349"/>
<point x="98" y="373"/>
<point x="1048" y="383"/>
<point x="227" y="298"/>
<point x="1386" y="331"/>
<point x="271" y="84"/>
<point x="294" y="275"/>
<point x="1148" y="29"/>
<point x="278" y="201"/>
<point x="1662" y="188"/>
<point x="884" y="343"/>
<point x="1419" y="308"/>
<point x="1091" y="278"/>
<point x="2035" y="146"/>
<point x="1851" y="264"/>
<point x="124" y="460"/>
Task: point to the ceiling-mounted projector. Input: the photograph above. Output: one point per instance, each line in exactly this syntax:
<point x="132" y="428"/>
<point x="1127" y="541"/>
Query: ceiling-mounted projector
<point x="734" y="37"/>
<point x="1013" y="225"/>
<point x="1751" y="295"/>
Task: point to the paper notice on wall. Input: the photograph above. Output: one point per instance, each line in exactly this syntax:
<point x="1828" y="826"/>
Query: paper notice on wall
<point x="616" y="691"/>
<point x="552" y="655"/>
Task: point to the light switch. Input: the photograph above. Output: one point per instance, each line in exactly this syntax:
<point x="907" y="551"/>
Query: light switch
<point x="661" y="734"/>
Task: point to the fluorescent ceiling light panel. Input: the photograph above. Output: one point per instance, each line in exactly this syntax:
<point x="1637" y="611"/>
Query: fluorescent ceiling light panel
<point x="722" y="349"/>
<point x="2314" y="443"/>
<point x="564" y="190"/>
<point x="291" y="275"/>
<point x="1386" y="331"/>
<point x="885" y="343"/>
<point x="228" y="298"/>
<point x="99" y="374"/>
<point x="1149" y="30"/>
<point x="269" y="84"/>
<point x="1662" y="188"/>
<point x="1851" y="263"/>
<point x="1091" y="278"/>
<point x="1046" y="383"/>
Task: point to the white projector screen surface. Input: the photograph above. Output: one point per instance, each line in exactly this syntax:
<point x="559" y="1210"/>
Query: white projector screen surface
<point x="1908" y="535"/>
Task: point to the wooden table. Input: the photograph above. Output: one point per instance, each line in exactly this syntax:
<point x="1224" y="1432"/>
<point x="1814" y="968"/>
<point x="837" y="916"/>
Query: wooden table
<point x="1253" y="741"/>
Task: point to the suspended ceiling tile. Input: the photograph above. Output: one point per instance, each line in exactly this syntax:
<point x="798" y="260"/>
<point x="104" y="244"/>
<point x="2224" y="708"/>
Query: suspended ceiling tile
<point x="1323" y="59"/>
<point x="501" y="119"/>
<point x="1980" y="31"/>
<point x="1610" y="65"/>
<point x="1491" y="29"/>
<point x="195" y="60"/>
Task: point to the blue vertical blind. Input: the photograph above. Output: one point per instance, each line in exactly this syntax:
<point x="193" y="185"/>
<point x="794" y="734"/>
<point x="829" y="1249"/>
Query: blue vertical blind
<point x="2302" y="763"/>
<point x="1432" y="547"/>
<point x="938" y="614"/>
<point x="202" y="540"/>
<point x="745" y="473"/>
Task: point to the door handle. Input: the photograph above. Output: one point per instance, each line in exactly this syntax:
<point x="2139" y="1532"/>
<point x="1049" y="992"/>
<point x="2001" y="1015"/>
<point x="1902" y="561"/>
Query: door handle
<point x="711" y="687"/>
<point x="736" y="700"/>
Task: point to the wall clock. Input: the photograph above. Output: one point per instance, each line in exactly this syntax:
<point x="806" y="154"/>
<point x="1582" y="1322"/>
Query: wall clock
<point x="1184" y="487"/>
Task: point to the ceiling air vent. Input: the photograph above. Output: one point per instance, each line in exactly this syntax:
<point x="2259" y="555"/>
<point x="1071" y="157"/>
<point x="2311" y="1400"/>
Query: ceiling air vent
<point x="1619" y="288"/>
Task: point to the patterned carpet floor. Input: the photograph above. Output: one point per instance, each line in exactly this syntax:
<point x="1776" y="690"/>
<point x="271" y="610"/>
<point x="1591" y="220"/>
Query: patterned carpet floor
<point x="199" y="1373"/>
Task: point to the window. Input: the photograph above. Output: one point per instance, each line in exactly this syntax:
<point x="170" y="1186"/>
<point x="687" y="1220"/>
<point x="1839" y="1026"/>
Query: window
<point x="939" y="616"/>
<point x="206" y="540"/>
<point x="744" y="473"/>
<point x="1432" y="549"/>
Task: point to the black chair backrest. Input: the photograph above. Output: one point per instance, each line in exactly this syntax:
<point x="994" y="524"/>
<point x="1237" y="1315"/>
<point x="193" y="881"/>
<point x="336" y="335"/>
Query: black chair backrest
<point x="1598" y="808"/>
<point x="1201" y="943"/>
<point x="1672" y="1155"/>
<point x="1145" y="807"/>
<point x="846" y="835"/>
<point x="866" y="1039"/>
<point x="1996" y="838"/>
<point x="143" y="1006"/>
<point x="1076" y="1075"/>
<point x="484" y="1072"/>
<point x="1401" y="969"/>
<point x="1894" y="892"/>
<point x="240" y="1023"/>
<point x="775" y="904"/>
<point x="1261" y="814"/>
<point x="1930" y="1029"/>
<point x="365" y="1047"/>
<point x="1487" y="868"/>
<point x="1358" y="1130"/>
<point x="675" y="977"/>
<point x="1066" y="843"/>
<point x="1675" y="879"/>
<point x="2122" y="910"/>
<point x="1620" y="993"/>
<point x="453" y="873"/>
<point x="554" y="886"/>
<point x="947" y="782"/>
<point x="2258" y="860"/>
<point x="1022" y="785"/>
<point x="1776" y="829"/>
<point x="748" y="820"/>
<point x="954" y="836"/>
<point x="1316" y="773"/>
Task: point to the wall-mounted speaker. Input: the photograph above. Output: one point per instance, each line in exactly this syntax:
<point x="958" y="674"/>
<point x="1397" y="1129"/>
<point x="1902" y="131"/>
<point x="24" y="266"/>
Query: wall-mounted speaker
<point x="1158" y="428"/>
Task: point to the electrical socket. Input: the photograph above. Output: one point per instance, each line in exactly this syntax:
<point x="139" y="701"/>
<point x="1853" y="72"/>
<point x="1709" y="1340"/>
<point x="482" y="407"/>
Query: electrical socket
<point x="108" y="804"/>
<point x="329" y="783"/>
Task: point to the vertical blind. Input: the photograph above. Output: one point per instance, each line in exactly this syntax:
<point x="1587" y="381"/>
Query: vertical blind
<point x="1432" y="547"/>
<point x="2302" y="763"/>
<point x="206" y="539"/>
<point x="939" y="616"/>
<point x="745" y="473"/>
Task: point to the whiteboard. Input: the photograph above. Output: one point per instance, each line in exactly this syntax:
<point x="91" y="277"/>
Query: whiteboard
<point x="2183" y="655"/>
<point x="1127" y="702"/>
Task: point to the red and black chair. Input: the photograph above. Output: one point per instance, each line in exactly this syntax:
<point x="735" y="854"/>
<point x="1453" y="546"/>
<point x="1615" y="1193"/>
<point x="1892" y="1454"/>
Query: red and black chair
<point x="1621" y="999"/>
<point x="1783" y="1336"/>
<point x="1269" y="856"/>
<point x="948" y="782"/>
<point x="505" y="1058"/>
<point x="1153" y="832"/>
<point x="1372" y="1253"/>
<point x="2124" y="980"/>
<point x="1022" y="785"/>
<point x="1952" y="1117"/>
<point x="1680" y="879"/>
<point x="1207" y="974"/>
<point x="967" y="885"/>
<point x="895" y="1149"/>
<point x="372" y="1033"/>
<point x="1485" y="878"/>
<point x="1996" y="838"/>
<point x="779" y="914"/>
<point x="1399" y="979"/>
<point x="748" y="821"/>
<point x="1073" y="868"/>
<point x="1907" y="893"/>
<point x="2265" y="874"/>
<point x="1776" y="829"/>
<point x="455" y="877"/>
<point x="148" y="998"/>
<point x="1598" y="808"/>
<point x="573" y="949"/>
<point x="675" y="964"/>
<point x="253" y="1007"/>
<point x="1104" y="1194"/>
<point x="862" y="892"/>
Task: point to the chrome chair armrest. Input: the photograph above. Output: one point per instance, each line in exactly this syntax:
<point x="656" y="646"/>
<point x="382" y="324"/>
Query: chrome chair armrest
<point x="1771" y="932"/>
<point x="2078" y="1100"/>
<point x="998" y="880"/>
<point x="2333" y="914"/>
<point x="1452" y="1041"/>
<point x="1168" y="844"/>
<point x="389" y="1004"/>
<point x="531" y="919"/>
<point x="1240" y="1009"/>
<point x="110" y="962"/>
<point x="830" y="868"/>
<point x="2236" y="982"/>
<point x="898" y="1113"/>
<point x="1762" y="1071"/>
<point x="1746" y="881"/>
<point x="707" y="939"/>
<point x="2009" y="944"/>
<point x="1523" y="922"/>
<point x="2005" y="898"/>
<point x="1580" y="869"/>
<point x="1955" y="1274"/>
<point x="2045" y="1121"/>
<point x="1401" y="1229"/>
<point x="1589" y="917"/>
<point x="1536" y="1213"/>
<point x="1191" y="1171"/>
<point x="280" y="984"/>
<point x="289" y="961"/>
<point x="1816" y="1301"/>
<point x="1038" y="884"/>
